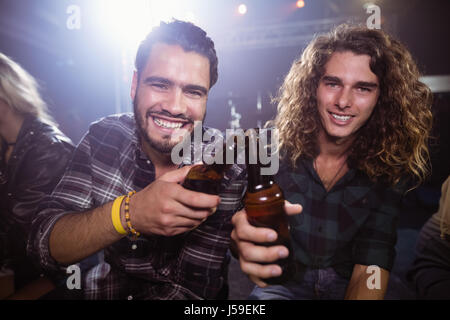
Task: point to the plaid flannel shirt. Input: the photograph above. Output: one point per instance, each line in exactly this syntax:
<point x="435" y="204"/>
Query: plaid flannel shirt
<point x="354" y="223"/>
<point x="108" y="163"/>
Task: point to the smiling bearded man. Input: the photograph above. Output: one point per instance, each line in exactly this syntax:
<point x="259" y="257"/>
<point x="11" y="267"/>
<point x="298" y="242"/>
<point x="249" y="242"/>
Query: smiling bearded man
<point x="122" y="193"/>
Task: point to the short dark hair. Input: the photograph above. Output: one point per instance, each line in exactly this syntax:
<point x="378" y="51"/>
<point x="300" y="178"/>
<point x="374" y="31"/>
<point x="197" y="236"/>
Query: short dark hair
<point x="186" y="35"/>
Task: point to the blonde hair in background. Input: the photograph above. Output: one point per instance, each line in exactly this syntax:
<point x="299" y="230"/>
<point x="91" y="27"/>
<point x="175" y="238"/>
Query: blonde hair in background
<point x="20" y="90"/>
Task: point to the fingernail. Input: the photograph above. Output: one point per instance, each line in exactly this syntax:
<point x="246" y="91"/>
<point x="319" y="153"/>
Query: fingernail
<point x="271" y="236"/>
<point x="275" y="272"/>
<point x="283" y="253"/>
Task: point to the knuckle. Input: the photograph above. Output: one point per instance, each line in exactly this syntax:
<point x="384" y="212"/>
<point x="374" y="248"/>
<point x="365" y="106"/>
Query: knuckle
<point x="165" y="220"/>
<point x="240" y="232"/>
<point x="166" y="208"/>
<point x="233" y="236"/>
<point x="245" y="254"/>
<point x="235" y="218"/>
<point x="244" y="266"/>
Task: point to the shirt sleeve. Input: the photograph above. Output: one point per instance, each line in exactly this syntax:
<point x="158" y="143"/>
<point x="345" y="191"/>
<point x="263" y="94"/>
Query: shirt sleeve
<point x="375" y="242"/>
<point x="38" y="180"/>
<point x="72" y="194"/>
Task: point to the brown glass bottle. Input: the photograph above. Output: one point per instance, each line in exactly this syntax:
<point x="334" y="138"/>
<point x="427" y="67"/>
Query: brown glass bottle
<point x="264" y="204"/>
<point x="207" y="178"/>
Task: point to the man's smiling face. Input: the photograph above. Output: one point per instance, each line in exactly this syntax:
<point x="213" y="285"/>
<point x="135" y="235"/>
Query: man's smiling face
<point x="347" y="94"/>
<point x="170" y="94"/>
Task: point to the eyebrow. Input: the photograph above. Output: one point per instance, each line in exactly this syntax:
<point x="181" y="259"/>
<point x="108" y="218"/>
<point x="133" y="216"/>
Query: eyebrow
<point x="358" y="84"/>
<point x="168" y="82"/>
<point x="153" y="79"/>
<point x="195" y="87"/>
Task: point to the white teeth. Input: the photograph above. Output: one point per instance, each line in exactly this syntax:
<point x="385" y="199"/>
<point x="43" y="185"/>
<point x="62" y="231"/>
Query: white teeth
<point x="342" y="118"/>
<point x="167" y="124"/>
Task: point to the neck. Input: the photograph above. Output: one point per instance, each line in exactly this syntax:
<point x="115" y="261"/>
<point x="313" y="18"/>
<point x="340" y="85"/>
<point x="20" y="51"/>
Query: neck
<point x="162" y="162"/>
<point x="10" y="126"/>
<point x="330" y="147"/>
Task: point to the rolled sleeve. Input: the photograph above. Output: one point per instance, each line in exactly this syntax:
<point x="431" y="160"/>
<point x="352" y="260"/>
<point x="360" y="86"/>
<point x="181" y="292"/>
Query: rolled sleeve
<point x="72" y="194"/>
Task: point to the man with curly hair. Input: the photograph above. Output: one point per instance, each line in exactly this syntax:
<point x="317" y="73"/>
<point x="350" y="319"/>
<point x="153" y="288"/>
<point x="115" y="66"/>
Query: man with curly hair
<point x="354" y="121"/>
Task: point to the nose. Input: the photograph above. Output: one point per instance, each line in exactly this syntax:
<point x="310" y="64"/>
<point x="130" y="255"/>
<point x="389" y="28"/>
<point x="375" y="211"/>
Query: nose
<point x="175" y="103"/>
<point x="345" y="99"/>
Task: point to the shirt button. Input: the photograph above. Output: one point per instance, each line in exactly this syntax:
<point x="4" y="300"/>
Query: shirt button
<point x="130" y="297"/>
<point x="134" y="247"/>
<point x="31" y="132"/>
<point x="148" y="161"/>
<point x="9" y="194"/>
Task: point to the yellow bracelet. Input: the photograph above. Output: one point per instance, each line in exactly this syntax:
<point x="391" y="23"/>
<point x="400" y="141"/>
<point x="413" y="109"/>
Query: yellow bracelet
<point x="115" y="215"/>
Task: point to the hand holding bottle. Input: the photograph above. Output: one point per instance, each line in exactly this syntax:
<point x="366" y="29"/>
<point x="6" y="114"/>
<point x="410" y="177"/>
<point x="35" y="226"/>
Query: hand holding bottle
<point x="257" y="259"/>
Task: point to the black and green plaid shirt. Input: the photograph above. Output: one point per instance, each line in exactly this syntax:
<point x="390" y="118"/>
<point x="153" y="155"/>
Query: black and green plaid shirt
<point x="353" y="223"/>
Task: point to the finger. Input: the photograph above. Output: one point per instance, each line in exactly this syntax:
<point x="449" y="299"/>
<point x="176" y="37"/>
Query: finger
<point x="195" y="199"/>
<point x="176" y="212"/>
<point x="258" y="272"/>
<point x="244" y="231"/>
<point x="261" y="254"/>
<point x="257" y="281"/>
<point x="175" y="231"/>
<point x="177" y="175"/>
<point x="292" y="209"/>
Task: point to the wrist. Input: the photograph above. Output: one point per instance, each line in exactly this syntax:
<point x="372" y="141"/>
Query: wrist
<point x="128" y="215"/>
<point x="123" y="221"/>
<point x="116" y="216"/>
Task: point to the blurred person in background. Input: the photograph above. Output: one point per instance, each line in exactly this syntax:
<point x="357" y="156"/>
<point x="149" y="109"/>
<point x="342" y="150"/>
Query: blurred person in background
<point x="430" y="271"/>
<point x="33" y="157"/>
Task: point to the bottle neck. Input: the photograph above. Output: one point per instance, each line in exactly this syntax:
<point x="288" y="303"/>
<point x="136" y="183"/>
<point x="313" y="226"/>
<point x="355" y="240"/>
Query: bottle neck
<point x="256" y="181"/>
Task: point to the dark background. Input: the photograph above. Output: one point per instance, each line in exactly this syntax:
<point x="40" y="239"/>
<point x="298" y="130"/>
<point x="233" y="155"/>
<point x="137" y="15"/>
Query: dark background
<point x="84" y="74"/>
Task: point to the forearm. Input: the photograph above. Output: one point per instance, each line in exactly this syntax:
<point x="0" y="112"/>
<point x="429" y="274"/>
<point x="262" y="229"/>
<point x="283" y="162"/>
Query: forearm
<point x="367" y="286"/>
<point x="78" y="235"/>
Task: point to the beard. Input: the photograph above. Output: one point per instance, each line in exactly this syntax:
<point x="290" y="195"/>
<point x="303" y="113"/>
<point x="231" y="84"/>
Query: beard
<point x="165" y="146"/>
<point x="168" y="141"/>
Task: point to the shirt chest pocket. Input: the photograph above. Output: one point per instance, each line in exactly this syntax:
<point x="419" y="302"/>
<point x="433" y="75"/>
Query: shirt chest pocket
<point x="358" y="203"/>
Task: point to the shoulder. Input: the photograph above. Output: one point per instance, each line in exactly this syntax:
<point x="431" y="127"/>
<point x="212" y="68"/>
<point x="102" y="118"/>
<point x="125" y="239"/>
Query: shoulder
<point x="112" y="130"/>
<point x="122" y="123"/>
<point x="40" y="137"/>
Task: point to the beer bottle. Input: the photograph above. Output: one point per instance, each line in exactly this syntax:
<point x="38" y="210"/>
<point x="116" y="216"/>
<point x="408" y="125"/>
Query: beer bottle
<point x="207" y="178"/>
<point x="264" y="204"/>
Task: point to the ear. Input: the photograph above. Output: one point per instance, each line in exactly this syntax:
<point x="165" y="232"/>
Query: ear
<point x="134" y="85"/>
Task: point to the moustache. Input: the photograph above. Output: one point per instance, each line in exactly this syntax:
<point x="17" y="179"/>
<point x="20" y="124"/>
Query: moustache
<point x="169" y="115"/>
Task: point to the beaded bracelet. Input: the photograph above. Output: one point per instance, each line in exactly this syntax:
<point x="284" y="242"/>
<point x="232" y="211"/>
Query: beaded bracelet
<point x="127" y="214"/>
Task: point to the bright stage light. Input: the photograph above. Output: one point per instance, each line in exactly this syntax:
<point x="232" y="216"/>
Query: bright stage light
<point x="242" y="9"/>
<point x="300" y="4"/>
<point x="128" y="22"/>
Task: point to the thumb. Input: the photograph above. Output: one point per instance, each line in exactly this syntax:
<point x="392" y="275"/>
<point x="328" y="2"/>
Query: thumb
<point x="177" y="175"/>
<point x="292" y="209"/>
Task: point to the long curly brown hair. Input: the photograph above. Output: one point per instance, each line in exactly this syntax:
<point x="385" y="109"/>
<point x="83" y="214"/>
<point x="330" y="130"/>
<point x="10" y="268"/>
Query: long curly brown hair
<point x="393" y="143"/>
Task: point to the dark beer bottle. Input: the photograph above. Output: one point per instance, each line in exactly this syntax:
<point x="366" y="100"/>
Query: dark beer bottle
<point x="207" y="178"/>
<point x="264" y="204"/>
